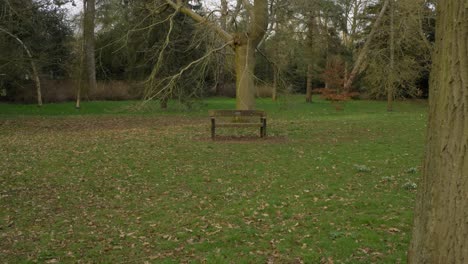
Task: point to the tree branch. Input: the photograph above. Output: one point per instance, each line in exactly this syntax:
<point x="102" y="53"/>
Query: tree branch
<point x="33" y="65"/>
<point x="221" y="32"/>
<point x="235" y="13"/>
<point x="362" y="54"/>
<point x="173" y="79"/>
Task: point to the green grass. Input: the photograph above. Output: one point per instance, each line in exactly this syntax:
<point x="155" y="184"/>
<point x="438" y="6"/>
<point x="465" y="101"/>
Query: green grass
<point x="109" y="184"/>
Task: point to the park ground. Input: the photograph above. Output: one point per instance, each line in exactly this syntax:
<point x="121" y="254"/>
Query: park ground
<point x="115" y="183"/>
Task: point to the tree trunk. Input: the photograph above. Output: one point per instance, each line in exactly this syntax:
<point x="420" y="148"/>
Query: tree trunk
<point x="440" y="232"/>
<point x="327" y="66"/>
<point x="78" y="97"/>
<point x="309" y="84"/>
<point x="81" y="76"/>
<point x="345" y="74"/>
<point x="88" y="35"/>
<point x="391" y="82"/>
<point x="275" y="83"/>
<point x="363" y="53"/>
<point x="163" y="103"/>
<point x="245" y="88"/>
<point x="37" y="81"/>
<point x="244" y="47"/>
<point x="311" y="35"/>
<point x="35" y="73"/>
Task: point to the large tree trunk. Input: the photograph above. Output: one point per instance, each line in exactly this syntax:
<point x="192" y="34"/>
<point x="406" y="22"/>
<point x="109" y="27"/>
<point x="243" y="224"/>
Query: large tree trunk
<point x="35" y="73"/>
<point x="245" y="87"/>
<point x="363" y="53"/>
<point x="440" y="232"/>
<point x="244" y="47"/>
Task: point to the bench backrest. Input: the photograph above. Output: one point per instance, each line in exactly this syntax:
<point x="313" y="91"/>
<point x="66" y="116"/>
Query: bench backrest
<point x="216" y="113"/>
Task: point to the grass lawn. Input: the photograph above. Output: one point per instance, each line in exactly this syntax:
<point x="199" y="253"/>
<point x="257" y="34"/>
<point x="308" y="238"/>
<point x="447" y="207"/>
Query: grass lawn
<point x="108" y="184"/>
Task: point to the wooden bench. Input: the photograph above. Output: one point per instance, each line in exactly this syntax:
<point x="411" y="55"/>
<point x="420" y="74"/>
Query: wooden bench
<point x="240" y="118"/>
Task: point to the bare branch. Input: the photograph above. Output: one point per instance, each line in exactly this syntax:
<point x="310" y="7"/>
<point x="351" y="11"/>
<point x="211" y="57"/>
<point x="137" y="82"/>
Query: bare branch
<point x="235" y="13"/>
<point x="362" y="54"/>
<point x="178" y="6"/>
<point x="166" y="43"/>
<point x="33" y="65"/>
<point x="174" y="78"/>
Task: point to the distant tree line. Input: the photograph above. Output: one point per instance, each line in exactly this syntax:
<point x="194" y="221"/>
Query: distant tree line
<point x="161" y="49"/>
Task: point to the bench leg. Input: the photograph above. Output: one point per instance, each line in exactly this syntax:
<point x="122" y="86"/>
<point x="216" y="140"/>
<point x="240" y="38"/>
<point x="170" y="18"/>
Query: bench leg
<point x="264" y="127"/>
<point x="213" y="128"/>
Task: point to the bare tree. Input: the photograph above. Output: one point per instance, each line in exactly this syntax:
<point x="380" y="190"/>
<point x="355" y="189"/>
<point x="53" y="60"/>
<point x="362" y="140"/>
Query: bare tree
<point x="440" y="231"/>
<point x="244" y="44"/>
<point x="398" y="56"/>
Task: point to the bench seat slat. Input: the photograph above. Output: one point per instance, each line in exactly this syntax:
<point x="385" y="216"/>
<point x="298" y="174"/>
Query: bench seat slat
<point x="214" y="113"/>
<point x="239" y="124"/>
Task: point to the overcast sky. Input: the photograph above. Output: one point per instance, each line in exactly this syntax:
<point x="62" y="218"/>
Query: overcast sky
<point x="74" y="10"/>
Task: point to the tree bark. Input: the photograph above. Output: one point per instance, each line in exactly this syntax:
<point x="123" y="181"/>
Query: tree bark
<point x="440" y="232"/>
<point x="35" y="73"/>
<point x="37" y="81"/>
<point x="245" y="45"/>
<point x="245" y="87"/>
<point x="309" y="84"/>
<point x="362" y="54"/>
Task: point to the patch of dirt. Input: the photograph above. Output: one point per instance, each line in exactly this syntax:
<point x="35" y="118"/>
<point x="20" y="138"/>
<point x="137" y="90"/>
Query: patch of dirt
<point x="244" y="139"/>
<point x="91" y="123"/>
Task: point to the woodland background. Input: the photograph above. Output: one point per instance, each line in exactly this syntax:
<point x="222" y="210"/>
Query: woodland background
<point x="307" y="45"/>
